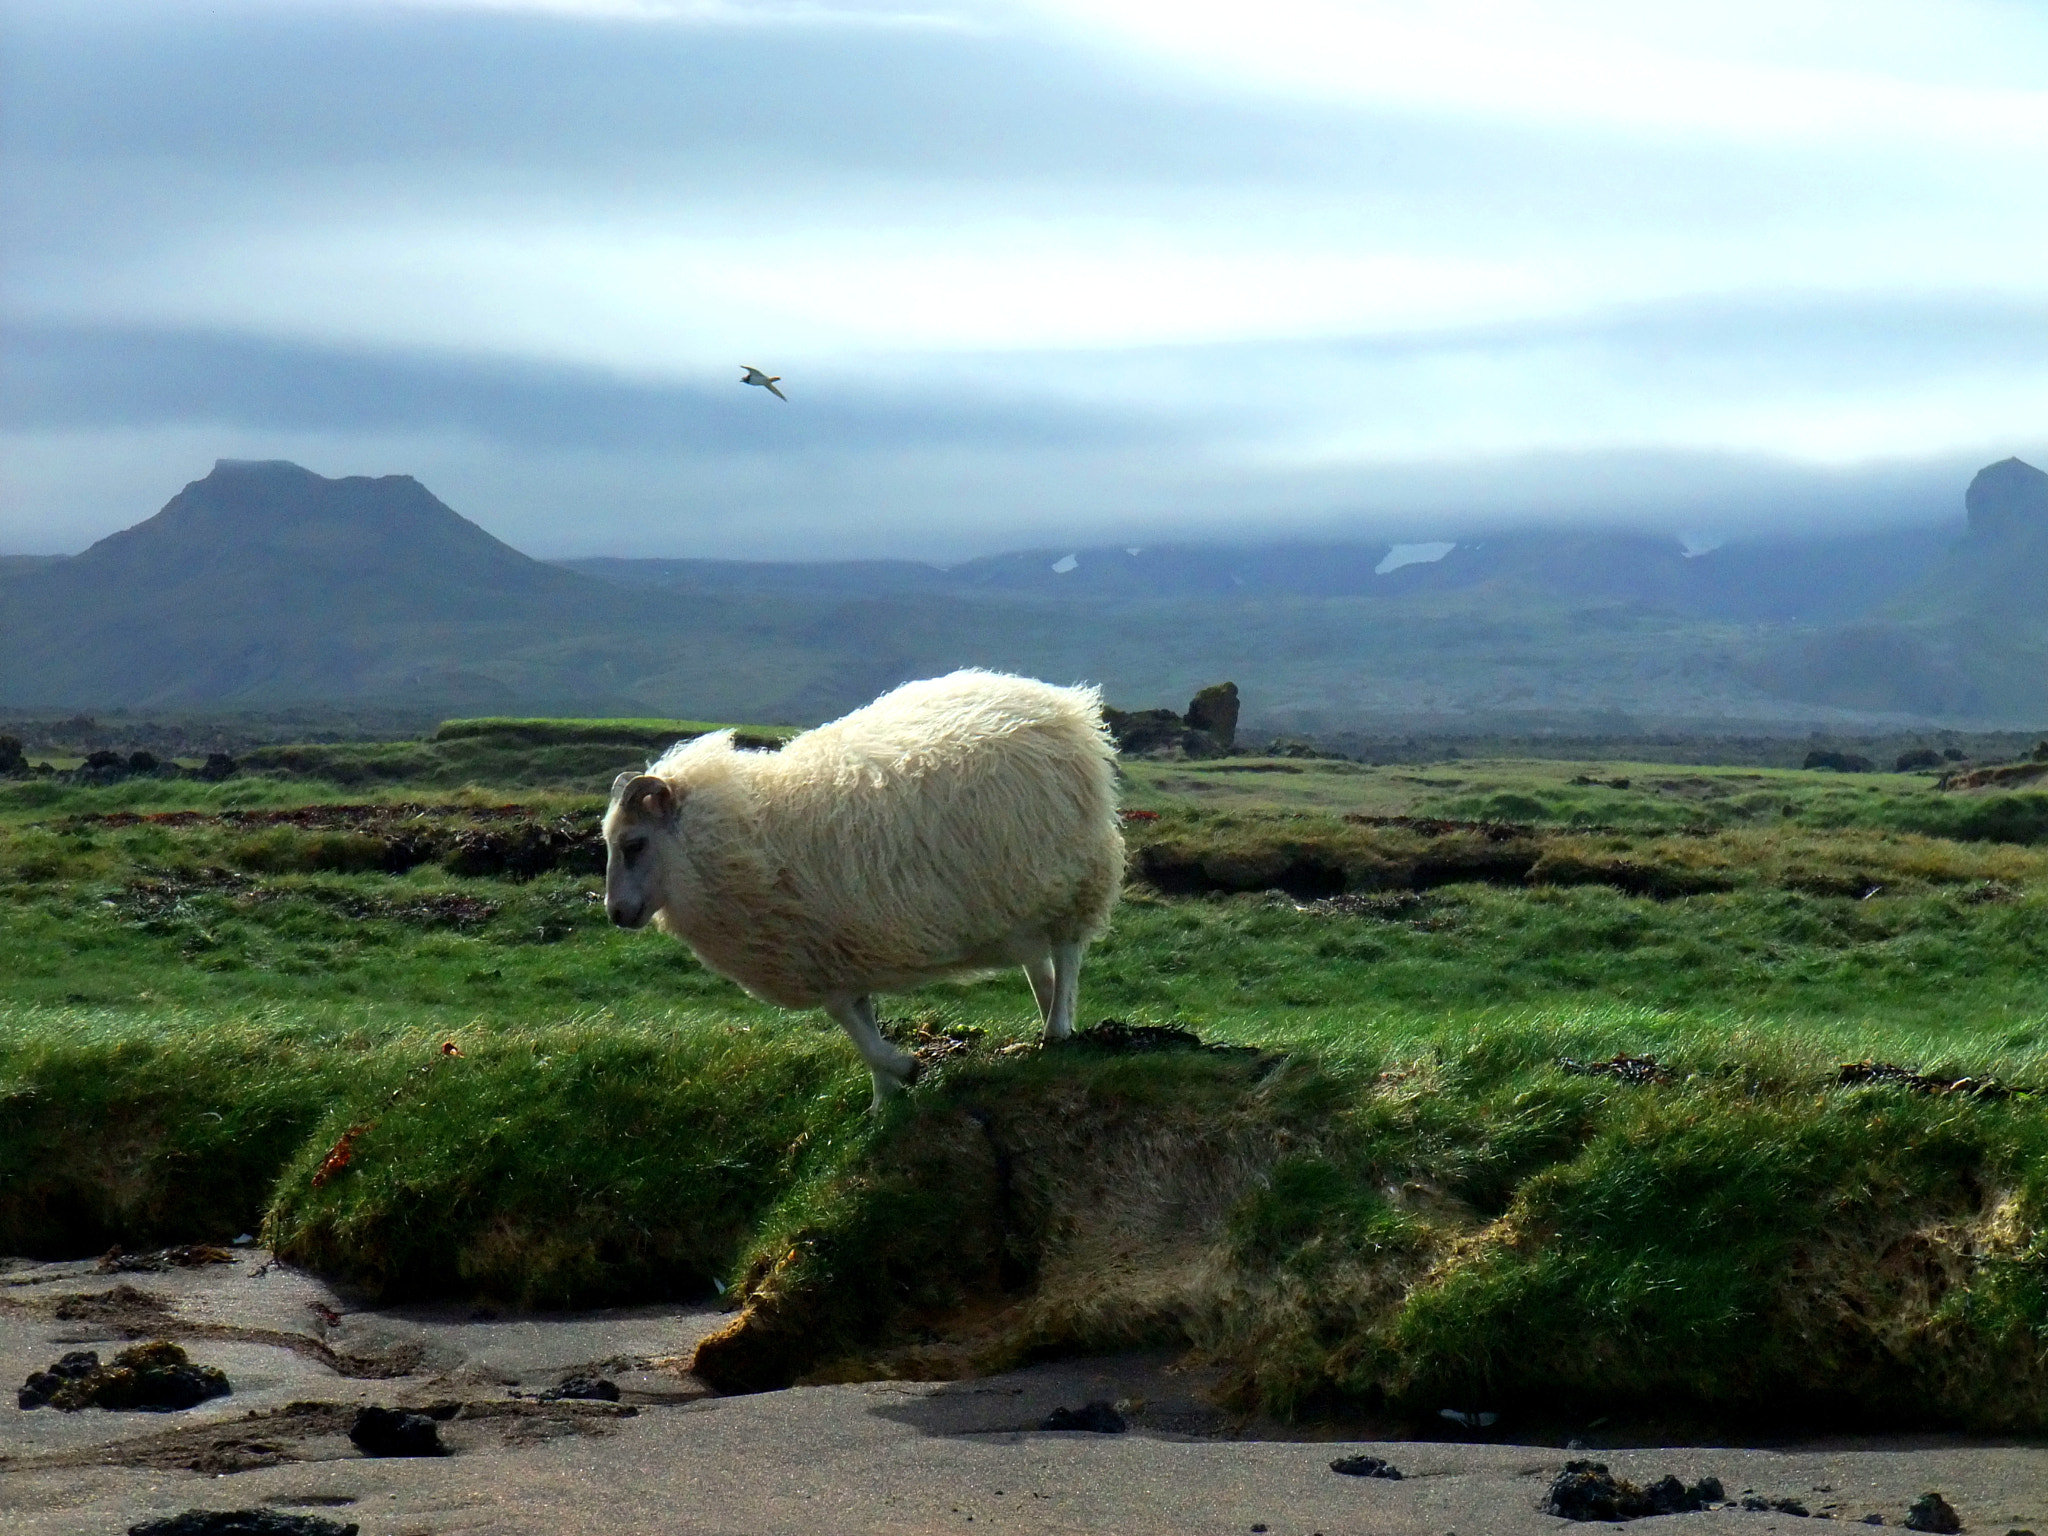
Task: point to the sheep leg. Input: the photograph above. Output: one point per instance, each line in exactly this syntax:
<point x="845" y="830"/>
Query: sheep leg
<point x="1066" y="990"/>
<point x="891" y="1068"/>
<point x="1040" y="974"/>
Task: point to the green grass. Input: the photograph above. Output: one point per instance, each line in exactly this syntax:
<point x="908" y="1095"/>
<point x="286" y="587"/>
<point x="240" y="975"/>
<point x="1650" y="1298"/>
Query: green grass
<point x="1400" y="1198"/>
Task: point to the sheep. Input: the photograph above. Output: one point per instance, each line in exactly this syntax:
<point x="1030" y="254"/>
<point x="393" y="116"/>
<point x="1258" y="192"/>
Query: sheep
<point x="954" y="825"/>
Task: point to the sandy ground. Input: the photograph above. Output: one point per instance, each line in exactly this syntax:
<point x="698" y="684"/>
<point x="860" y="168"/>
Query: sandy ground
<point x="672" y="1457"/>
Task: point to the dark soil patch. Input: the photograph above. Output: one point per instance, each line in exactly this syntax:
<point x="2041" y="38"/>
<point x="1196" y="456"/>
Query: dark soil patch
<point x="1397" y="906"/>
<point x="1115" y="1037"/>
<point x="155" y="897"/>
<point x="274" y="1437"/>
<point x="1175" y="870"/>
<point x="183" y="1256"/>
<point x="242" y="1522"/>
<point x="1629" y="1069"/>
<point x="1448" y="853"/>
<point x="504" y="842"/>
<point x="1891" y="1074"/>
<point x="122" y="1305"/>
<point x="137" y="1314"/>
<point x="1097" y="1418"/>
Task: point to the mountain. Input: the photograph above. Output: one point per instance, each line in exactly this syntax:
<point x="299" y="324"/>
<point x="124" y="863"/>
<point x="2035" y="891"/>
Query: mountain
<point x="1969" y="639"/>
<point x="1812" y="579"/>
<point x="264" y="584"/>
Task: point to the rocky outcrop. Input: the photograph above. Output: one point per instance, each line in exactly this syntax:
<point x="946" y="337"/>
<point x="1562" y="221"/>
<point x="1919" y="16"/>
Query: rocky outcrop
<point x="1208" y="729"/>
<point x="2007" y="498"/>
<point x="1138" y="731"/>
<point x="1213" y="711"/>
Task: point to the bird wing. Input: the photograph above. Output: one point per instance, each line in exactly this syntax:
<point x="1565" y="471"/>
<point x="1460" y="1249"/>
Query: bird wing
<point x="778" y="394"/>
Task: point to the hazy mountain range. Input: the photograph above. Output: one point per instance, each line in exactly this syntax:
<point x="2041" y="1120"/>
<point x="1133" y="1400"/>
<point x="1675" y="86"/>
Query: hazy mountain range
<point x="264" y="584"/>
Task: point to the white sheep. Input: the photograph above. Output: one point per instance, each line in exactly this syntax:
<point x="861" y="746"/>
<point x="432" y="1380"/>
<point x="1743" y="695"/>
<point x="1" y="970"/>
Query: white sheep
<point x="954" y="825"/>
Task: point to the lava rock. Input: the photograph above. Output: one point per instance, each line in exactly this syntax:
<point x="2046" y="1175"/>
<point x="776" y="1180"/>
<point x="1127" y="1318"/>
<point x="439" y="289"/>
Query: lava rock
<point x="584" y="1388"/>
<point x="1365" y="1466"/>
<point x="1214" y="710"/>
<point x="1839" y="762"/>
<point x="1097" y="1418"/>
<point x="1931" y="1512"/>
<point x="1586" y="1490"/>
<point x="394" y="1432"/>
<point x="1138" y="731"/>
<point x="218" y="766"/>
<point x="42" y="1386"/>
<point x="149" y="1378"/>
<point x="242" y="1522"/>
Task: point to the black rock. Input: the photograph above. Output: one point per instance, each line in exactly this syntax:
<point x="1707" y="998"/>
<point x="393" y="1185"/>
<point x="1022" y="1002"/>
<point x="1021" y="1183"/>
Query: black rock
<point x="1365" y="1466"/>
<point x="218" y="766"/>
<point x="1586" y="1490"/>
<point x="242" y="1522"/>
<point x="148" y="1378"/>
<point x="394" y="1432"/>
<point x="586" y="1388"/>
<point x="1840" y="762"/>
<point x="1931" y="1512"/>
<point x="1214" y="712"/>
<point x="1138" y="731"/>
<point x="41" y="1386"/>
<point x="1757" y="1502"/>
<point x="1097" y="1418"/>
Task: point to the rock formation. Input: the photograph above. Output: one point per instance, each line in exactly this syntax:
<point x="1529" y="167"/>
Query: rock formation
<point x="2005" y="498"/>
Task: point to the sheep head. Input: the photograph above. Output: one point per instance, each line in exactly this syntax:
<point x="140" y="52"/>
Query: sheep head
<point x="637" y="830"/>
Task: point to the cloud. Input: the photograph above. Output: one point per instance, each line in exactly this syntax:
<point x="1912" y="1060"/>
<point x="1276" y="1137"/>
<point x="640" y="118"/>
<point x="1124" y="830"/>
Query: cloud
<point x="1033" y="270"/>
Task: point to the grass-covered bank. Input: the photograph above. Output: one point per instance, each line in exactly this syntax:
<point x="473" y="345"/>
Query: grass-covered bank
<point x="1471" y="1222"/>
<point x="1399" y="1197"/>
<point x="1402" y="1217"/>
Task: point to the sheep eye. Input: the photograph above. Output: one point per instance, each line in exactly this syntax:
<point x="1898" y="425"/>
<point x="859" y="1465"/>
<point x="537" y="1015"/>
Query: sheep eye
<point x="634" y="849"/>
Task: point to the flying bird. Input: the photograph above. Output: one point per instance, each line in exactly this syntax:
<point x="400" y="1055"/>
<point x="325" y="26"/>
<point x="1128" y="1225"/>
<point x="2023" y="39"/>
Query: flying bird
<point x="767" y="381"/>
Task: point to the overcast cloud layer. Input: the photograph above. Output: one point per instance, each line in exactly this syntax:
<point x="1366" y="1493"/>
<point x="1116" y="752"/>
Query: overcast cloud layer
<point x="1034" y="273"/>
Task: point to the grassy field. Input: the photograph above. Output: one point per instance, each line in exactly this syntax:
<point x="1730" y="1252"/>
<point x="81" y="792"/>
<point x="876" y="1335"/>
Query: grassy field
<point x="384" y="1021"/>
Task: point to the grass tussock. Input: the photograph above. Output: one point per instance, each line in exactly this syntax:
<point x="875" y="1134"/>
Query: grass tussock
<point x="1477" y="1227"/>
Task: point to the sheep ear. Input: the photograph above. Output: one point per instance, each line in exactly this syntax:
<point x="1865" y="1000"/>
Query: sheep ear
<point x="647" y="798"/>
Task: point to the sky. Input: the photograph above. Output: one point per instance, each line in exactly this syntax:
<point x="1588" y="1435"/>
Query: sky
<point x="1034" y="273"/>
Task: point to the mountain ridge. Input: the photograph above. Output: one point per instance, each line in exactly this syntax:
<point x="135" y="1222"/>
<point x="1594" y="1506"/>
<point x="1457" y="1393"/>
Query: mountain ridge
<point x="263" y="583"/>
